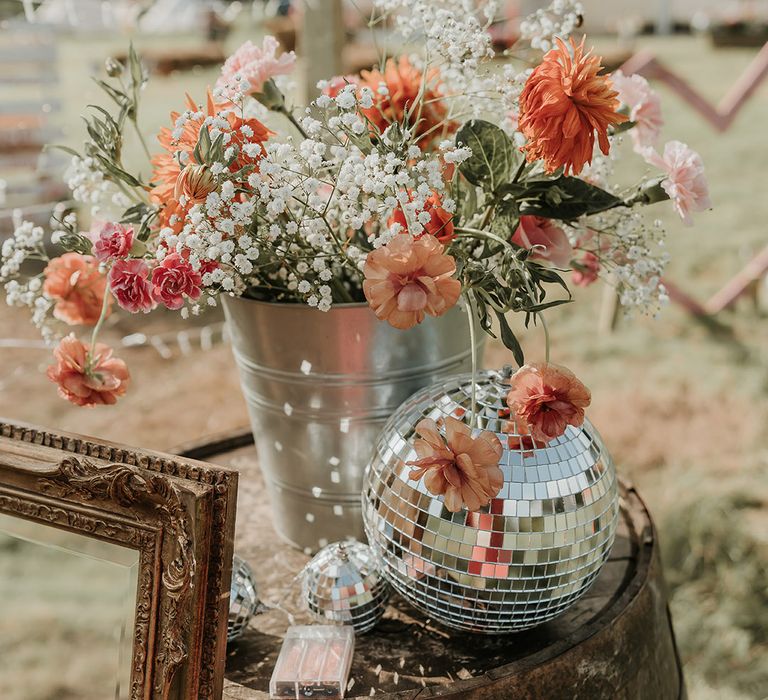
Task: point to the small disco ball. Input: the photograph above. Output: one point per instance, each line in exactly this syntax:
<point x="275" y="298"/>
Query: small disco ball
<point x="244" y="600"/>
<point x="520" y="561"/>
<point x="342" y="585"/>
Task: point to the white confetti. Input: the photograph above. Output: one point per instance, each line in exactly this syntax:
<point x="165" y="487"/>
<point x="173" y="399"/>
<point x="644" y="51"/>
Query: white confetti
<point x="310" y="517"/>
<point x="344" y="425"/>
<point x="317" y="491"/>
<point x="338" y="510"/>
<point x="306" y="367"/>
<point x="351" y="684"/>
<point x="377" y="670"/>
<point x="402" y="661"/>
<point x="335" y="477"/>
<point x="287" y="408"/>
<point x="334" y="461"/>
<point x="278" y="446"/>
<point x="396" y="678"/>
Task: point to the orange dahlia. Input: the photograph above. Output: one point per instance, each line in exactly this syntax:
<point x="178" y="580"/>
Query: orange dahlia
<point x="167" y="170"/>
<point x="404" y="83"/>
<point x="564" y="102"/>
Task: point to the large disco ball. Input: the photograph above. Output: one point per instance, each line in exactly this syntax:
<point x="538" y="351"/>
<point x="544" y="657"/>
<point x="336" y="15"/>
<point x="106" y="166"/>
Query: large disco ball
<point x="520" y="561"/>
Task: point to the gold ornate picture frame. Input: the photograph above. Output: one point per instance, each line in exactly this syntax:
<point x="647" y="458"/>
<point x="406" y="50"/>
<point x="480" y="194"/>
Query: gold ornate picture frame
<point x="178" y="514"/>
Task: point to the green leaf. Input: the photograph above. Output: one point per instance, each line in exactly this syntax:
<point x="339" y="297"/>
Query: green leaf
<point x="134" y="214"/>
<point x="624" y="126"/>
<point x="510" y="340"/>
<point x="59" y="147"/>
<point x="566" y="198"/>
<point x="134" y="67"/>
<point x="494" y="155"/>
<point x="466" y="197"/>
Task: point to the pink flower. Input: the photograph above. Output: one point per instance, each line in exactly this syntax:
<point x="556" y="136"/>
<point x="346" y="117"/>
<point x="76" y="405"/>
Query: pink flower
<point x="88" y="378"/>
<point x="552" y="243"/>
<point x="111" y="240"/>
<point x="685" y="182"/>
<point x="585" y="270"/>
<point x="129" y="281"/>
<point x="644" y="108"/>
<point x="256" y="65"/>
<point x="173" y="279"/>
<point x="547" y="399"/>
<point x="408" y="278"/>
<point x="465" y="470"/>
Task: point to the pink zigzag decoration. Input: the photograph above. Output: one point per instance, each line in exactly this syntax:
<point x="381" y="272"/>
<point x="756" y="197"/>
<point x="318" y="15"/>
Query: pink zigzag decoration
<point x="721" y="116"/>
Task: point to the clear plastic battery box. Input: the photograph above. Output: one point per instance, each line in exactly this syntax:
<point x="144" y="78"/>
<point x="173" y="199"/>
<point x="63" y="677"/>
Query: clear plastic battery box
<point x="314" y="662"/>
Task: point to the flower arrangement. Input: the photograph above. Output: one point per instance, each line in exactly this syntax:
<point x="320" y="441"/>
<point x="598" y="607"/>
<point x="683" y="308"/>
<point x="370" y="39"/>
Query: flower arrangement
<point x="431" y="177"/>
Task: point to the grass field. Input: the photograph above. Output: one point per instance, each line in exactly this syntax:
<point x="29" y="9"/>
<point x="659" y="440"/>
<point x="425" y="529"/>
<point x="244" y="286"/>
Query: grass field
<point x="683" y="405"/>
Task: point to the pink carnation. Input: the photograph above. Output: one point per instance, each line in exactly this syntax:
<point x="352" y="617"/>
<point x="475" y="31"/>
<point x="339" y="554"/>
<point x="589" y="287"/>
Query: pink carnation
<point x="129" y="281"/>
<point x="644" y="108"/>
<point x="256" y="65"/>
<point x="111" y="240"/>
<point x="549" y="240"/>
<point x="586" y="269"/>
<point x="685" y="182"/>
<point x="173" y="279"/>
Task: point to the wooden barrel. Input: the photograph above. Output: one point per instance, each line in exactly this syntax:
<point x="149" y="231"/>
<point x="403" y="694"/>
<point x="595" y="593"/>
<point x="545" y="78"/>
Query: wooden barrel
<point x="616" y="642"/>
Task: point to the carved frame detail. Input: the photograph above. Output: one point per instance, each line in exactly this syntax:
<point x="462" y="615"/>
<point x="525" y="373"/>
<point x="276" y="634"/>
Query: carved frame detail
<point x="179" y="514"/>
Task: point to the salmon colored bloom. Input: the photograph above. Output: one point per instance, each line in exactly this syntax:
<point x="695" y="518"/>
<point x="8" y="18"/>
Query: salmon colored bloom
<point x="547" y="399"/>
<point x="74" y="282"/>
<point x="546" y="240"/>
<point x="408" y="278"/>
<point x="564" y="102"/>
<point x="167" y="170"/>
<point x="463" y="469"/>
<point x="440" y="224"/>
<point x="403" y="83"/>
<point x="88" y="378"/>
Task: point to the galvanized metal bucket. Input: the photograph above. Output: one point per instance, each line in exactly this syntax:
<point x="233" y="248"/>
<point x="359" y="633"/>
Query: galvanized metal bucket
<point x="319" y="388"/>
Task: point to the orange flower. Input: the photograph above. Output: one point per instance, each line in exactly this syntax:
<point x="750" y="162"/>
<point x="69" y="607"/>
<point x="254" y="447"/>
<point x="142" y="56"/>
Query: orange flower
<point x="465" y="470"/>
<point x="440" y="224"/>
<point x="547" y="399"/>
<point x="167" y="170"/>
<point x="564" y="102"/>
<point x="408" y="278"/>
<point x="77" y="286"/>
<point x="404" y="82"/>
<point x="85" y="378"/>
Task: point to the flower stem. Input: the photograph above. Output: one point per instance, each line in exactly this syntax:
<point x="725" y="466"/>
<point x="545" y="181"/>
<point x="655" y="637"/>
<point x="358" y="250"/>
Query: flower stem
<point x="471" y="314"/>
<point x="141" y="138"/>
<point x="546" y="336"/>
<point x="99" y="323"/>
<point x="289" y="116"/>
